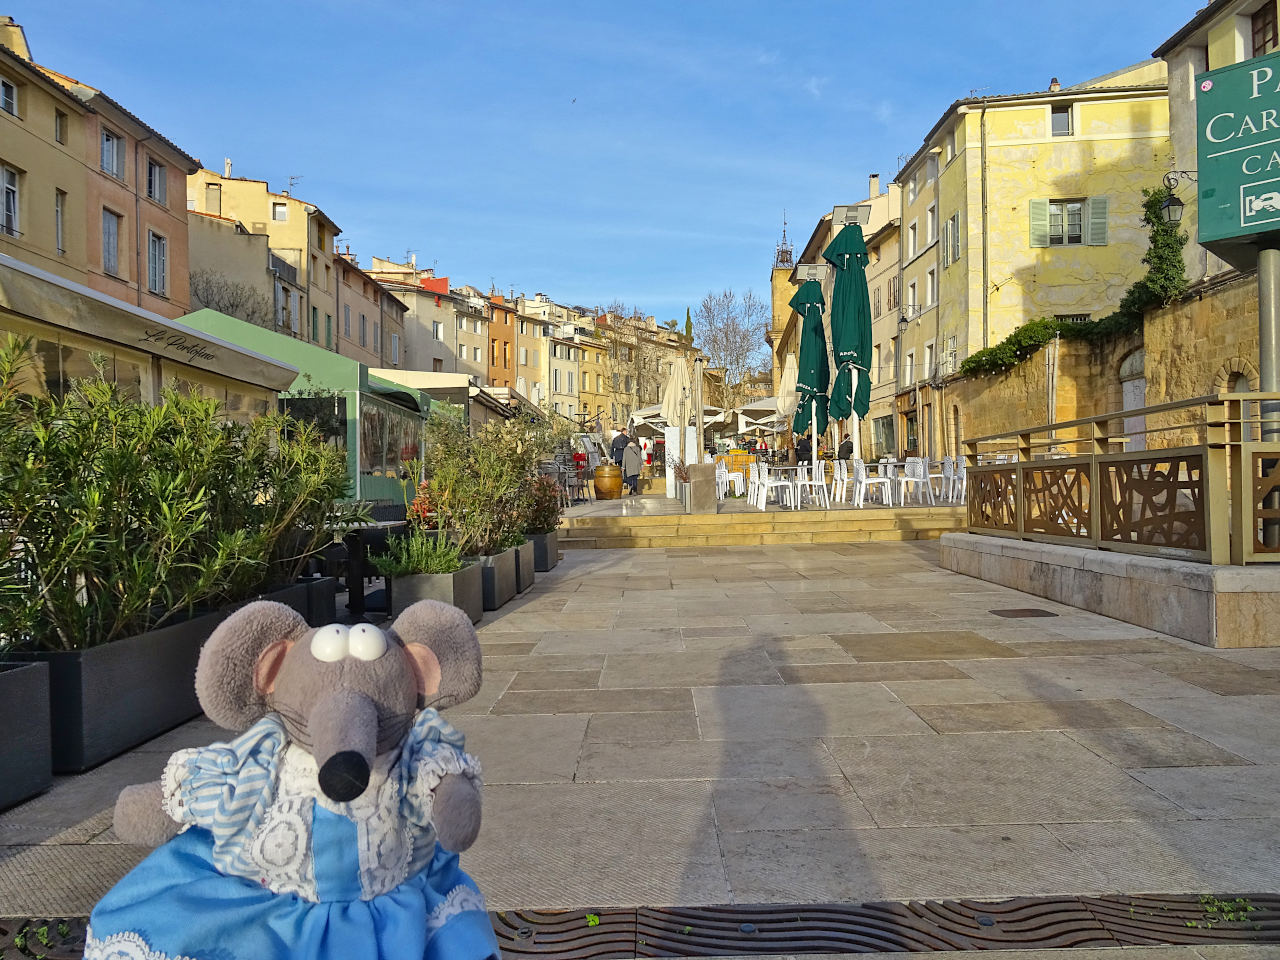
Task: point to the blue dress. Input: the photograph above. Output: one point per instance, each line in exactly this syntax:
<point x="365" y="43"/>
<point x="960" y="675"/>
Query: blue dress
<point x="267" y="867"/>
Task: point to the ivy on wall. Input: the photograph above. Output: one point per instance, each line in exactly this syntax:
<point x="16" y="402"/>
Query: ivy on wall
<point x="1165" y="281"/>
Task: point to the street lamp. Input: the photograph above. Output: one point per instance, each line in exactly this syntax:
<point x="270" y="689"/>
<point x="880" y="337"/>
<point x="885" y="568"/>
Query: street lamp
<point x="1171" y="209"/>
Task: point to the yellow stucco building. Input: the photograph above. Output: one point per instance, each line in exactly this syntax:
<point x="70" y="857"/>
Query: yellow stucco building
<point x="1015" y="208"/>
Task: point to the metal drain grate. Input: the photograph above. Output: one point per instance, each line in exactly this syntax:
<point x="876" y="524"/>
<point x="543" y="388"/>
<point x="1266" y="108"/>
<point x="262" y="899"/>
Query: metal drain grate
<point x="1022" y="613"/>
<point x="918" y="926"/>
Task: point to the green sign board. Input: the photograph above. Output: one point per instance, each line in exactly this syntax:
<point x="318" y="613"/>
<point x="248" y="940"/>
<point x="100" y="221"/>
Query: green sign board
<point x="1238" y="150"/>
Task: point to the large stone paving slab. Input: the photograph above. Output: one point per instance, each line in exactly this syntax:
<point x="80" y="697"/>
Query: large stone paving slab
<point x="705" y="760"/>
<point x="792" y="804"/>
<point x="61" y="881"/>
<point x="1222" y="793"/>
<point x="594" y="701"/>
<point x="524" y="749"/>
<point x="1153" y="747"/>
<point x="1076" y="678"/>
<point x="970" y="717"/>
<point x="787" y="866"/>
<point x="957" y="779"/>
<point x="724" y="668"/>
<point x="939" y="645"/>
<point x="627" y="844"/>
<point x="914" y="670"/>
<point x="1246" y="726"/>
<point x="761" y="713"/>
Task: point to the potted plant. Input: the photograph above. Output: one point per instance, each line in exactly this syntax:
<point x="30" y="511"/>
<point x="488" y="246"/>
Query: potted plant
<point x="139" y="527"/>
<point x="425" y="564"/>
<point x="545" y="508"/>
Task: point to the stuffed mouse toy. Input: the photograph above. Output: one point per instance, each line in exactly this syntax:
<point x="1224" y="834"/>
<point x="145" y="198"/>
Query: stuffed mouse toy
<point x="331" y="827"/>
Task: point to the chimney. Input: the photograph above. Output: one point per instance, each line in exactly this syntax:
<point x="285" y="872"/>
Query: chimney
<point x="14" y="37"/>
<point x="226" y="167"/>
<point x="413" y="261"/>
<point x="873" y="185"/>
<point x="1054" y="85"/>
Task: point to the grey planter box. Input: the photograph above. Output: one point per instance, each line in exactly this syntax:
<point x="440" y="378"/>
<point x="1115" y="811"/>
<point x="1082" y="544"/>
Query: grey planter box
<point x="546" y="550"/>
<point x="296" y="596"/>
<point x="525" y="567"/>
<point x="499" y="573"/>
<point x="463" y="588"/>
<point x="322" y="601"/>
<point x="107" y="699"/>
<point x="25" y="752"/>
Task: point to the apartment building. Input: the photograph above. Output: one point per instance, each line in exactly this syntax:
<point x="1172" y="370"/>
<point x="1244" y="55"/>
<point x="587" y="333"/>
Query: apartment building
<point x="1015" y="208"/>
<point x="237" y="274"/>
<point x="531" y="347"/>
<point x="502" y="342"/>
<point x="471" y="321"/>
<point x="299" y="234"/>
<point x="430" y="320"/>
<point x="372" y="320"/>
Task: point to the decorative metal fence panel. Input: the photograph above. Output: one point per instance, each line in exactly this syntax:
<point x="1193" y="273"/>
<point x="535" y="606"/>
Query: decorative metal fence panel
<point x="1256" y="488"/>
<point x="1057" y="498"/>
<point x="992" y="499"/>
<point x="1154" y="502"/>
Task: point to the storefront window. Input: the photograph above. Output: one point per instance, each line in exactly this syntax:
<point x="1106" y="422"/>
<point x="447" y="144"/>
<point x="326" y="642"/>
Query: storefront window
<point x="388" y="436"/>
<point x="326" y="410"/>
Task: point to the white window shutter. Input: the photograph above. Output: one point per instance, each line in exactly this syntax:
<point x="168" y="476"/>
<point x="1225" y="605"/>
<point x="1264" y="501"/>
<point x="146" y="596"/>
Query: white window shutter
<point x="1039" y="222"/>
<point x="1096" y="221"/>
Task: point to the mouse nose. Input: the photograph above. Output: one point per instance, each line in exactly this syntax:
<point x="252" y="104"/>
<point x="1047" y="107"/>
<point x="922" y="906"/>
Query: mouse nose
<point x="344" y="776"/>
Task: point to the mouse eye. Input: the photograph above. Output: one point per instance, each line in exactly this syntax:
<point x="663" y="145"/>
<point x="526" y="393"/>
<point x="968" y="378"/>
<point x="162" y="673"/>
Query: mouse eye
<point x="367" y="642"/>
<point x="329" y="643"/>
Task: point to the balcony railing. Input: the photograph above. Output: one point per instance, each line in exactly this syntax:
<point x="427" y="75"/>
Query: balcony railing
<point x="1195" y="480"/>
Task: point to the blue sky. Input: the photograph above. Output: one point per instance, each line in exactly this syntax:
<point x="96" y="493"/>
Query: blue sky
<point x="591" y="151"/>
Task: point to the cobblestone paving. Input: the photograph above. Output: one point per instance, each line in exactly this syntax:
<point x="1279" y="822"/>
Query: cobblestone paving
<point x="805" y="724"/>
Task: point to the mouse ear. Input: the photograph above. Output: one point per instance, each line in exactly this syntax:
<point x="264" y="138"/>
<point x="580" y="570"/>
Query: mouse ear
<point x="447" y="632"/>
<point x="229" y="662"/>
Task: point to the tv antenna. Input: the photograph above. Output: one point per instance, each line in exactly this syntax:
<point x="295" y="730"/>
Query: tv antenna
<point x="293" y="178"/>
<point x="977" y="90"/>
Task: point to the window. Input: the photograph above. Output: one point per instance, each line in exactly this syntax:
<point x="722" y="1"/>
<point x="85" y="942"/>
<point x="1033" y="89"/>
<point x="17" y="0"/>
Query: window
<point x="931" y="224"/>
<point x="475" y="326"/>
<point x="912" y="303"/>
<point x="9" y="215"/>
<point x="436" y="329"/>
<point x="875" y="303"/>
<point x="1066" y="223"/>
<point x="213" y="204"/>
<point x="364" y="331"/>
<point x="315" y="323"/>
<point x="462" y="352"/>
<point x="8" y="97"/>
<point x="555" y="381"/>
<point x="476" y="354"/>
<point x="111" y="243"/>
<point x="377" y="337"/>
<point x="931" y="287"/>
<point x="949" y="146"/>
<point x="912" y="240"/>
<point x="328" y="330"/>
<point x="927" y="369"/>
<point x="892" y="290"/>
<point x="524" y="356"/>
<point x="875" y="362"/>
<point x="462" y="323"/>
<point x="395" y="348"/>
<point x="951" y="240"/>
<point x="327" y="271"/>
<point x="295" y="312"/>
<point x="59" y="126"/>
<point x="909" y="367"/>
<point x="113" y="154"/>
<point x="911" y="189"/>
<point x="931" y="168"/>
<point x="1264" y="32"/>
<point x="157" y="182"/>
<point x="346" y="320"/>
<point x="571" y="390"/>
<point x="1062" y="120"/>
<point x="599" y="383"/>
<point x="59" y="207"/>
<point x="1073" y="317"/>
<point x="437" y="365"/>
<point x="279" y="210"/>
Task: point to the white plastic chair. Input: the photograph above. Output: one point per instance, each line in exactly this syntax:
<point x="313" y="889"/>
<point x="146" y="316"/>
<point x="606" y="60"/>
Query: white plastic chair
<point x="840" y="481"/>
<point x="948" y="478"/>
<point x="938" y="475"/>
<point x="767" y="483"/>
<point x="861" y="482"/>
<point x="917" y="474"/>
<point x="753" y="482"/>
<point x="961" y="481"/>
<point x="815" y="480"/>
<point x="725" y="480"/>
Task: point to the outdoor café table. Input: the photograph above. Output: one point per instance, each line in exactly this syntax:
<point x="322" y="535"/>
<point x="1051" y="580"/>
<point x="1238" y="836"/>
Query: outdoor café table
<point x="790" y="473"/>
<point x="889" y="469"/>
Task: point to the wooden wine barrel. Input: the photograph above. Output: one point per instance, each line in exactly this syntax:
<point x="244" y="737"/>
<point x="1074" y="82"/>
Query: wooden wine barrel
<point x="608" y="481"/>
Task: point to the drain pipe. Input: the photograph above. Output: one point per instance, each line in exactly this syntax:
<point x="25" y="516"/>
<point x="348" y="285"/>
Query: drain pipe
<point x="986" y="257"/>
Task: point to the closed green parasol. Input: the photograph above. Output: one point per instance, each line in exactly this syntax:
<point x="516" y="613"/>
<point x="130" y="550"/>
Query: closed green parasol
<point x="814" y="372"/>
<point x="850" y="327"/>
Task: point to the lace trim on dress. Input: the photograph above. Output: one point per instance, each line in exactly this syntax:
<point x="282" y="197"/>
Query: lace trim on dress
<point x="459" y="900"/>
<point x="122" y="946"/>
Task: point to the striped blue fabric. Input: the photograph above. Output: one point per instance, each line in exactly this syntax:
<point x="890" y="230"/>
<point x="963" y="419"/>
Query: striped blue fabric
<point x="226" y="788"/>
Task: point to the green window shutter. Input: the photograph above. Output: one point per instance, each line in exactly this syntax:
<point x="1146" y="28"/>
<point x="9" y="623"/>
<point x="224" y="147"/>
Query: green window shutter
<point x="1096" y="221"/>
<point x="1039" y="223"/>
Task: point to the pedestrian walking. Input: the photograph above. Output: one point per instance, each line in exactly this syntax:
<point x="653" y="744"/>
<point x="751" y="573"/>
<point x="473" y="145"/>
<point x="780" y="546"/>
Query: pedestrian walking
<point x="846" y="448"/>
<point x="804" y="449"/>
<point x="619" y="444"/>
<point x="632" y="461"/>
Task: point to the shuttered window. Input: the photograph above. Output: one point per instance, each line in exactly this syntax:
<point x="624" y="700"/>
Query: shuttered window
<point x="1263" y="28"/>
<point x="1055" y="223"/>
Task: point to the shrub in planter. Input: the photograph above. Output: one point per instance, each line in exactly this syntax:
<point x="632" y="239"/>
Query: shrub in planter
<point x="424" y="565"/>
<point x="120" y="520"/>
<point x="545" y="507"/>
<point x="24" y="725"/>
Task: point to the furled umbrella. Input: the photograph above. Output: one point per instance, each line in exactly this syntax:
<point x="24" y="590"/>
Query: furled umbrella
<point x="850" y="329"/>
<point x="814" y="372"/>
<point x="677" y="402"/>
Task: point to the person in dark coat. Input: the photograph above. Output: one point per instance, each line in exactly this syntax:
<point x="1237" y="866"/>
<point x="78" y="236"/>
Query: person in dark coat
<point x="619" y="444"/>
<point x="846" y="449"/>
<point x="804" y="449"/>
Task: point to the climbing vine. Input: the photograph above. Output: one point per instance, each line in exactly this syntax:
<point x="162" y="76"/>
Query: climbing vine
<point x="1164" y="282"/>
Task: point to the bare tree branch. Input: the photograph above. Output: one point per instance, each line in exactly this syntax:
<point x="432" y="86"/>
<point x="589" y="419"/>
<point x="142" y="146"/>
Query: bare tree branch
<point x="217" y="291"/>
<point x="730" y="330"/>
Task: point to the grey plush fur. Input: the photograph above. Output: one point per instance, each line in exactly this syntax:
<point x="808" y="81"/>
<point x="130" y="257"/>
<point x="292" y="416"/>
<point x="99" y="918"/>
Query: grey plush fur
<point x="259" y="660"/>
